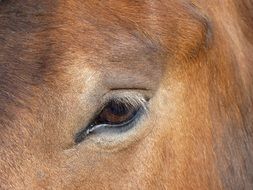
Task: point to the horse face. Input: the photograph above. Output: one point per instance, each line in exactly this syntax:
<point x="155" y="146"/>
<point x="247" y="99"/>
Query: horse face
<point x="118" y="94"/>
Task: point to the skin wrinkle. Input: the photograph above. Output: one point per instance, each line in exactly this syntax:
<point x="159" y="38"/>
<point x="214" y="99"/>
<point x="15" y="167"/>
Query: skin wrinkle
<point x="192" y="59"/>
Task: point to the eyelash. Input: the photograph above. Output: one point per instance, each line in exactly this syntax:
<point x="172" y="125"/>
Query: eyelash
<point x="138" y="104"/>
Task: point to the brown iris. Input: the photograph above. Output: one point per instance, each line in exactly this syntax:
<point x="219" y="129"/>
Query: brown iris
<point x="116" y="113"/>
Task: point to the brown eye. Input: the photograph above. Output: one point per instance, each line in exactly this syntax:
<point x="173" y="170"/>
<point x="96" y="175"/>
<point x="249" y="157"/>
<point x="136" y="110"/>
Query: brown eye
<point x="116" y="113"/>
<point x="115" y="116"/>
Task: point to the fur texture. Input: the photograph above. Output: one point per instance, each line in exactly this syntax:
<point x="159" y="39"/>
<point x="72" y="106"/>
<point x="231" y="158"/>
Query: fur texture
<point x="60" y="60"/>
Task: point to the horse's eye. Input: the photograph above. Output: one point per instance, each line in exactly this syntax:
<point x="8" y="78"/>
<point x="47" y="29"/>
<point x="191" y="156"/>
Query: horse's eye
<point x="116" y="116"/>
<point x="116" y="113"/>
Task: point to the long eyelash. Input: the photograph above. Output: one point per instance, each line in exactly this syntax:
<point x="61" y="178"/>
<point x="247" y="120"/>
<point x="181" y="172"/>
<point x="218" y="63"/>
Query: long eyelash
<point x="131" y="101"/>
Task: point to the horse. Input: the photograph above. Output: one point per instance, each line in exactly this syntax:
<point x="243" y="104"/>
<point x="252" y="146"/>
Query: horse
<point x="130" y="94"/>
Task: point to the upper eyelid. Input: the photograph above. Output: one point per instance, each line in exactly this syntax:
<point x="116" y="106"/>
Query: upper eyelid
<point x="131" y="100"/>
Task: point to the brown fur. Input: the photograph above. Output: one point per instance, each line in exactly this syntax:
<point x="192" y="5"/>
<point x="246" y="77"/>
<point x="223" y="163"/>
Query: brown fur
<point x="193" y="58"/>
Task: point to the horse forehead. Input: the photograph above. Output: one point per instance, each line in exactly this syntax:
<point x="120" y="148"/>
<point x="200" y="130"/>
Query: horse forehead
<point x="107" y="35"/>
<point x="43" y="42"/>
<point x="95" y="26"/>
